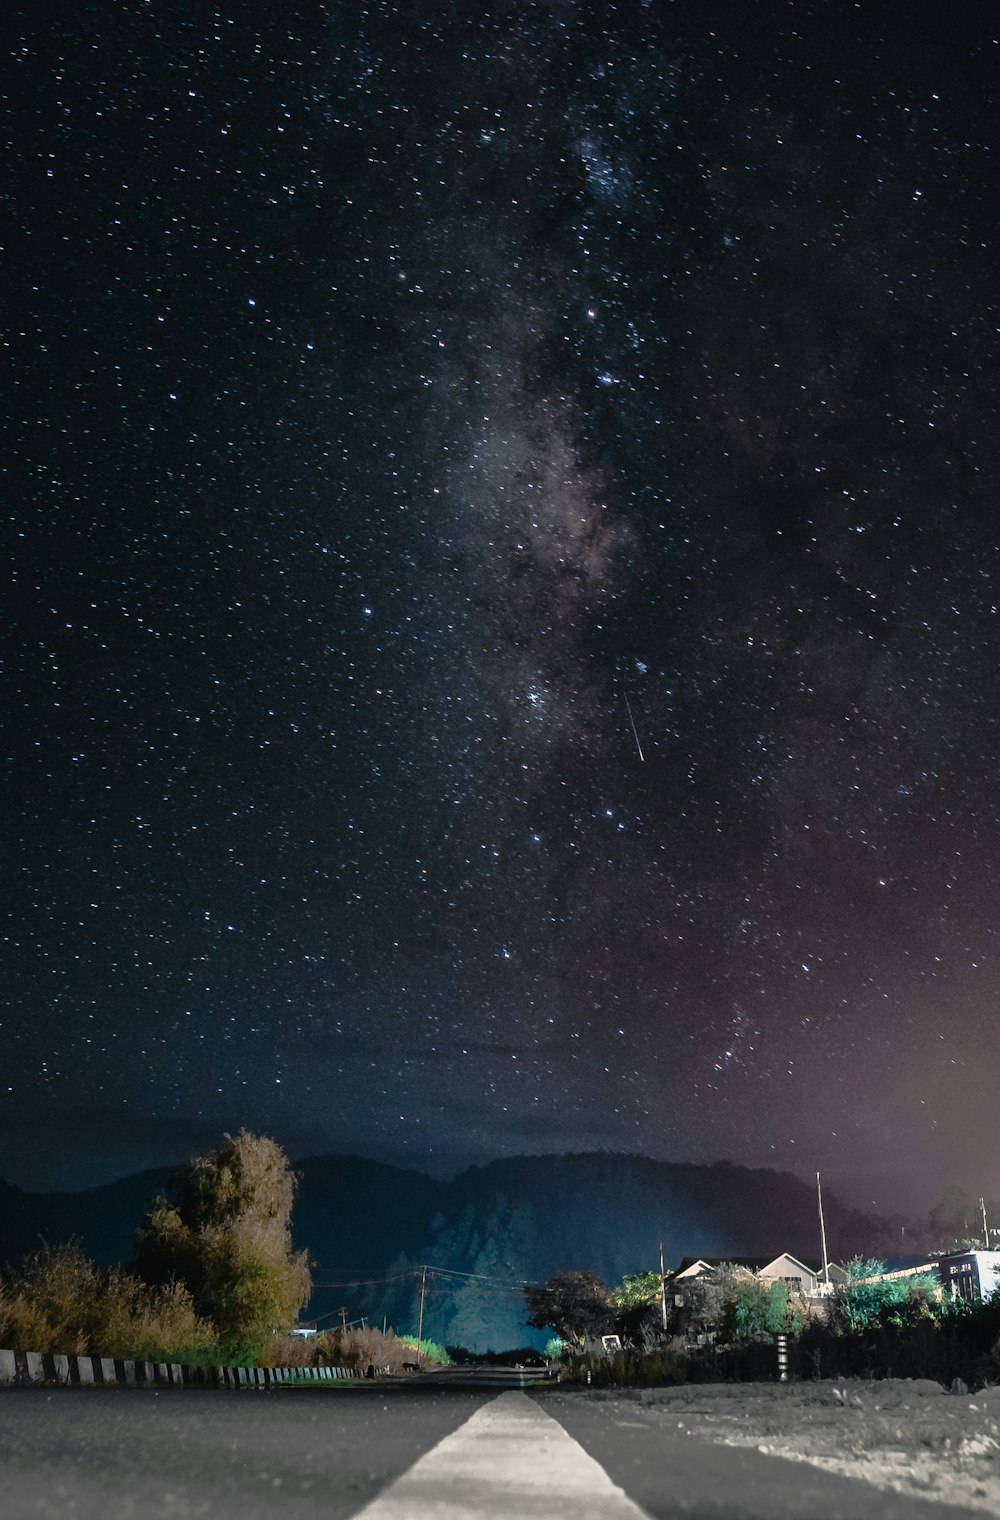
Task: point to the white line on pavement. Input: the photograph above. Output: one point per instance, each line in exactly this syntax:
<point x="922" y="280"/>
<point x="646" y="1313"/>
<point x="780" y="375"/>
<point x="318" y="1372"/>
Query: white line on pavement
<point x="509" y="1460"/>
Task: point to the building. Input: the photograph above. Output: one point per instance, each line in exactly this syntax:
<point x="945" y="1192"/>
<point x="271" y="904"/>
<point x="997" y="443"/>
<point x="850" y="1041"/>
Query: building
<point x="972" y="1275"/>
<point x="804" y="1277"/>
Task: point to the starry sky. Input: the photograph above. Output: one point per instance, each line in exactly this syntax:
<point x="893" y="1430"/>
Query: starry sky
<point x="501" y="643"/>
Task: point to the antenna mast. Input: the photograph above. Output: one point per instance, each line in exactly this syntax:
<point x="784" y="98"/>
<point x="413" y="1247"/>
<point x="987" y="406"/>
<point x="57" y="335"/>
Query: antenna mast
<point x="822" y="1229"/>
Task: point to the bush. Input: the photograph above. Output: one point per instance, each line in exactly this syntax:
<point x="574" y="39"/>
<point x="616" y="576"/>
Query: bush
<point x="385" y="1351"/>
<point x="868" y="1297"/>
<point x="426" y="1351"/>
<point x="760" y="1310"/>
<point x="668" y="1363"/>
<point x="290" y="1351"/>
<point x="60" y="1301"/>
<point x="941" y="1341"/>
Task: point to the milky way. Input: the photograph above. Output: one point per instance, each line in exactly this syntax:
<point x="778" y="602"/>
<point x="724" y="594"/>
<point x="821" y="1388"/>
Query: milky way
<point x="503" y="636"/>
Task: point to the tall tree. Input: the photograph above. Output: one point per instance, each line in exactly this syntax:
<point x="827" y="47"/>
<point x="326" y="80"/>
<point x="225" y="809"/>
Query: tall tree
<point x="576" y="1305"/>
<point x="224" y="1232"/>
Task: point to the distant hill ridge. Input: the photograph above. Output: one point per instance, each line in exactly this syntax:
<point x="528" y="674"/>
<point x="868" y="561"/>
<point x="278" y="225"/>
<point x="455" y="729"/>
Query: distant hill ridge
<point x="523" y="1218"/>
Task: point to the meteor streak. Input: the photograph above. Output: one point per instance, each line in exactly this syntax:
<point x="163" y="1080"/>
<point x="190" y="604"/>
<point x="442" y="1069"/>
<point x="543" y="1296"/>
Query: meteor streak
<point x="635" y="731"/>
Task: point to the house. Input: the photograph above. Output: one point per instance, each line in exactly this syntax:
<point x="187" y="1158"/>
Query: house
<point x="694" y="1266"/>
<point x="806" y="1278"/>
<point x="972" y="1275"/>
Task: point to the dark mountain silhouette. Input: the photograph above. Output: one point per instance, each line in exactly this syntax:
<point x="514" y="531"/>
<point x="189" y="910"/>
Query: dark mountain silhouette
<point x="103" y="1218"/>
<point x="370" y="1228"/>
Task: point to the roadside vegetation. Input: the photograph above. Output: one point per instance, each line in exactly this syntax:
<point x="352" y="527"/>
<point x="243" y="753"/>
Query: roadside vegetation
<point x="723" y="1327"/>
<point x="213" y="1272"/>
<point x="384" y="1350"/>
<point x="58" y="1300"/>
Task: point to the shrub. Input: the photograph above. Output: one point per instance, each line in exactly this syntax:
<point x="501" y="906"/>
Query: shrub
<point x="668" y="1363"/>
<point x="426" y="1351"/>
<point x="759" y="1310"/>
<point x="868" y="1297"/>
<point x="61" y="1301"/>
<point x="366" y="1347"/>
<point x="290" y="1351"/>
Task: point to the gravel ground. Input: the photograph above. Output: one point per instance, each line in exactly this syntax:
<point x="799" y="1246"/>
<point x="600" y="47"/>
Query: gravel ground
<point x="912" y="1437"/>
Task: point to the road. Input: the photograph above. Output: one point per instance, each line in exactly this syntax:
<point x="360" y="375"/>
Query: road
<point x="329" y="1452"/>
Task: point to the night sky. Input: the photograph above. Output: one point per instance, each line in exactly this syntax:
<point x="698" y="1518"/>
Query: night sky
<point x="502" y="644"/>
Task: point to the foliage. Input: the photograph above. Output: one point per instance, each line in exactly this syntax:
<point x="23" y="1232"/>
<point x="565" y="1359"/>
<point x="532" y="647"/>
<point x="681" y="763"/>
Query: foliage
<point x="290" y="1351"/>
<point x="225" y="1235"/>
<point x="943" y="1341"/>
<point x="760" y="1309"/>
<point x="427" y="1351"/>
<point x="576" y="1305"/>
<point x="61" y="1301"/>
<point x="706" y="1297"/>
<point x="637" y="1290"/>
<point x="668" y="1363"/>
<point x="860" y="1302"/>
<point x="554" y="1348"/>
<point x="363" y="1347"/>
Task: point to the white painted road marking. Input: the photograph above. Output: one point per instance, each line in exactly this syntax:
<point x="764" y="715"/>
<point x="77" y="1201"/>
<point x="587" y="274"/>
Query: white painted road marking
<point x="510" y="1461"/>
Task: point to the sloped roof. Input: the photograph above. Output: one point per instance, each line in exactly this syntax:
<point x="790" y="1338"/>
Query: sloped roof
<point x="756" y="1264"/>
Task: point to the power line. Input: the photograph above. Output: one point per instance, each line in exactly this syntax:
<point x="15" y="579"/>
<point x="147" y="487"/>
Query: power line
<point x="365" y="1282"/>
<point x="374" y="1282"/>
<point x="512" y="1282"/>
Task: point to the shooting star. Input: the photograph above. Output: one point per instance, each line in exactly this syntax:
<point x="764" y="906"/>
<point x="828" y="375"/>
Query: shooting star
<point x="635" y="731"/>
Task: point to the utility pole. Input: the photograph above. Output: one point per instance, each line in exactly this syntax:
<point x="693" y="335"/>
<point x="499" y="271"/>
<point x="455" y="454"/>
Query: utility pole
<point x="822" y="1230"/>
<point x="420" y="1320"/>
<point x="342" y="1311"/>
<point x="663" y="1289"/>
<point x="986" y="1228"/>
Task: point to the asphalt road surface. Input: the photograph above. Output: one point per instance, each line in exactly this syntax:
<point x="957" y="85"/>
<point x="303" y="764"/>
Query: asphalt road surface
<point x="323" y="1453"/>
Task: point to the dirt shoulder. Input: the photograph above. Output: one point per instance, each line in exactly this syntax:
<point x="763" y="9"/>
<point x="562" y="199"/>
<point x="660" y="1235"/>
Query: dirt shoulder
<point x="911" y="1437"/>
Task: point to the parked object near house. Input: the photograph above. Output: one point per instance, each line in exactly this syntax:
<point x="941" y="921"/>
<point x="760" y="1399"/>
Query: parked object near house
<point x="972" y="1275"/>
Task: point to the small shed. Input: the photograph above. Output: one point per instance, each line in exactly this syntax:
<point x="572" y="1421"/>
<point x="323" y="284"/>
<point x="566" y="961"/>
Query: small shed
<point x="972" y="1275"/>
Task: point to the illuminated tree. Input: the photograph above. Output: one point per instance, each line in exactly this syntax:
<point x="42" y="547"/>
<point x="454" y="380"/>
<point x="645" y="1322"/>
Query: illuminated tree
<point x="864" y="1298"/>
<point x="637" y="1290"/>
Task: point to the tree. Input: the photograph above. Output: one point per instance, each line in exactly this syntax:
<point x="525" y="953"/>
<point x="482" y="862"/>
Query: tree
<point x="759" y="1309"/>
<point x="637" y="1290"/>
<point x="707" y="1296"/>
<point x="224" y="1233"/>
<point x="953" y="1222"/>
<point x="576" y="1305"/>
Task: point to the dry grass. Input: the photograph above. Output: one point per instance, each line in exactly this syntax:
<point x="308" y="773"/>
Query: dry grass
<point x="290" y="1351"/>
<point x="59" y="1301"/>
